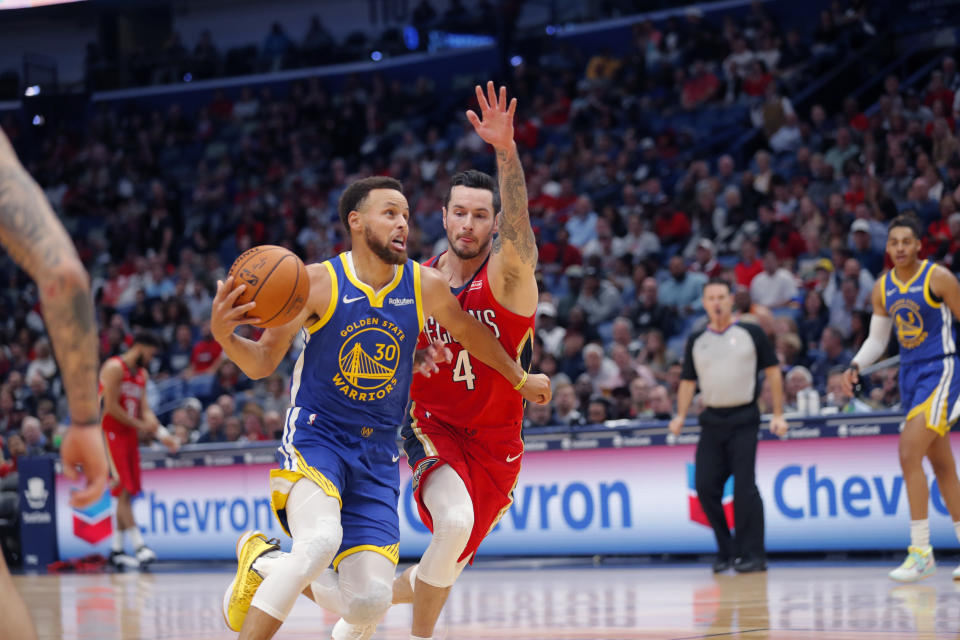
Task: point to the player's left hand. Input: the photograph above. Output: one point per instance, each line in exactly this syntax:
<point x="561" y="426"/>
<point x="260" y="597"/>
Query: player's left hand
<point x="83" y="447"/>
<point x="778" y="426"/>
<point x="496" y="127"/>
<point x="537" y="389"/>
<point x="425" y="360"/>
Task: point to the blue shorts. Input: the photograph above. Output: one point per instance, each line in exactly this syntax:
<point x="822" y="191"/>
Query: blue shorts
<point x="357" y="466"/>
<point x="932" y="387"/>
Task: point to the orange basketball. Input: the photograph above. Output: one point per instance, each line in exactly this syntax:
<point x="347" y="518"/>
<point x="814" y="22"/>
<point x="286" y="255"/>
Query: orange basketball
<point x="276" y="279"/>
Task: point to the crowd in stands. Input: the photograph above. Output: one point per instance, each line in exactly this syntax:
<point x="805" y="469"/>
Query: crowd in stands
<point x="160" y="201"/>
<point x="316" y="45"/>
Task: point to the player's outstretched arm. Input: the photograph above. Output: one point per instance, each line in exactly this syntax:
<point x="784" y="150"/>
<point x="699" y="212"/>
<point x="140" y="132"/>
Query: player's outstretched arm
<point x="478" y="340"/>
<point x="514" y="251"/>
<point x="258" y="359"/>
<point x="37" y="241"/>
<point x="876" y="342"/>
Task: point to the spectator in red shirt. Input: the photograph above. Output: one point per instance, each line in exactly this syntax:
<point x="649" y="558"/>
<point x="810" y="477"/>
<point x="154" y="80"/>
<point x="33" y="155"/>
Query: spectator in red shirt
<point x="700" y="87"/>
<point x="749" y="265"/>
<point x="556" y="256"/>
<point x="755" y="84"/>
<point x="854" y="194"/>
<point x="206" y="352"/>
<point x="786" y="243"/>
<point x="936" y="91"/>
<point x="557" y="111"/>
<point x="856" y="119"/>
<point x="672" y="226"/>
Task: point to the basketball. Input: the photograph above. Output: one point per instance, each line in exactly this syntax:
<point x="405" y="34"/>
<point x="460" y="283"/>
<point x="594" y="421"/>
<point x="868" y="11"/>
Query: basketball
<point x="276" y="279"/>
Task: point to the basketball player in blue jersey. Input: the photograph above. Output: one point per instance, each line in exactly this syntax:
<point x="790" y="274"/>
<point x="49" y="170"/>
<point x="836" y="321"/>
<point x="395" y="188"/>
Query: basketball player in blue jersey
<point x="920" y="300"/>
<point x="337" y="490"/>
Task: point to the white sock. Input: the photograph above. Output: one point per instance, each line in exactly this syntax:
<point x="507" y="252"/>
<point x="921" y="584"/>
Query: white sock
<point x="264" y="563"/>
<point x="920" y="533"/>
<point x="135" y="536"/>
<point x="117" y="544"/>
<point x="956" y="527"/>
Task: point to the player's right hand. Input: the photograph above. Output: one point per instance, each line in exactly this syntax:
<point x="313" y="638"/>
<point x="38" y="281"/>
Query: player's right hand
<point x="676" y="425"/>
<point x="851" y="376"/>
<point x="425" y="360"/>
<point x="224" y="316"/>
<point x="537" y="389"/>
<point x="83" y="447"/>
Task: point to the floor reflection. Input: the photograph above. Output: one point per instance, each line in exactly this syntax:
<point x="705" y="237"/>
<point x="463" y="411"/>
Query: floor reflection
<point x="636" y="603"/>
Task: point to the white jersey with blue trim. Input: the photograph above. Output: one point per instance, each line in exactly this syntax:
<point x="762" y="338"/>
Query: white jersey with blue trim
<point x="356" y="366"/>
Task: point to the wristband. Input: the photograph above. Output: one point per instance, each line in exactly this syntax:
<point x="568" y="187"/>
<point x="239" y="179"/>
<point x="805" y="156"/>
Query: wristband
<point x="522" y="382"/>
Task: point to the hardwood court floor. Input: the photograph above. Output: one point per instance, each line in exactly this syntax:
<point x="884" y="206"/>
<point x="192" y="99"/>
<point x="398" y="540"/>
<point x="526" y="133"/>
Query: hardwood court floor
<point x="793" y="601"/>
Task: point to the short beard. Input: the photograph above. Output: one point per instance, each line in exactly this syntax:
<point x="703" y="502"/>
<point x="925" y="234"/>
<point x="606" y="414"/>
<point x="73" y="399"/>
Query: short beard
<point x="383" y="250"/>
<point x="467" y="255"/>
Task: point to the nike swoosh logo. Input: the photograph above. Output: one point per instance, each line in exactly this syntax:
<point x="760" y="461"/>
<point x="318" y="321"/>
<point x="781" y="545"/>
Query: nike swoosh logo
<point x="396" y="457"/>
<point x="347" y="300"/>
<point x="512" y="458"/>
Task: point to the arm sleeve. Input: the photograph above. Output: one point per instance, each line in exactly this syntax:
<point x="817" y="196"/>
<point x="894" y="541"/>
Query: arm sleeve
<point x="766" y="356"/>
<point x="689" y="371"/>
<point x="876" y="343"/>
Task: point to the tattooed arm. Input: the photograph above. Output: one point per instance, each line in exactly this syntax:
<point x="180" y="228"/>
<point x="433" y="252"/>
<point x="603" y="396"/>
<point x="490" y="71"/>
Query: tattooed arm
<point x="514" y="255"/>
<point x="37" y="241"/>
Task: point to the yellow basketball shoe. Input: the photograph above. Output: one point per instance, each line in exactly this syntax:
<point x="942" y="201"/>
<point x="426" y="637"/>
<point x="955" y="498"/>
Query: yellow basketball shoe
<point x="236" y="600"/>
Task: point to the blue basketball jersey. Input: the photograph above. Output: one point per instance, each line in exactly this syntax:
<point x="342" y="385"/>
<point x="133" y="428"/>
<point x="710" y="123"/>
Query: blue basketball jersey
<point x="356" y="366"/>
<point x="923" y="324"/>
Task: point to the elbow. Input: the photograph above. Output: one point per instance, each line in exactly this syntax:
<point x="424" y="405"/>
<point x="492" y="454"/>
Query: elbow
<point x="258" y="374"/>
<point x="68" y="277"/>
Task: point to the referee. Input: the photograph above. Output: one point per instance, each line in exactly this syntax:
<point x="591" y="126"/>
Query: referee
<point x="725" y="358"/>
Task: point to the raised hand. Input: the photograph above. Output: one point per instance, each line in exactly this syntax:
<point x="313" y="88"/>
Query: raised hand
<point x="496" y="124"/>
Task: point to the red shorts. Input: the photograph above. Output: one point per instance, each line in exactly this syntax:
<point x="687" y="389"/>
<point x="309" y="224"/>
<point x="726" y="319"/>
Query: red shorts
<point x="124" y="449"/>
<point x="487" y="461"/>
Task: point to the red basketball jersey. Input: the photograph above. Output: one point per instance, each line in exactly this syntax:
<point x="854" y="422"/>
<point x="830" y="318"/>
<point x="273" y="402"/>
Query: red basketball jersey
<point x="466" y="392"/>
<point x="132" y="388"/>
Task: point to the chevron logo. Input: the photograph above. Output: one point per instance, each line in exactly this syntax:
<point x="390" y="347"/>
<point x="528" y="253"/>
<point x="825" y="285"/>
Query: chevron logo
<point x="93" y="523"/>
<point x="693" y="500"/>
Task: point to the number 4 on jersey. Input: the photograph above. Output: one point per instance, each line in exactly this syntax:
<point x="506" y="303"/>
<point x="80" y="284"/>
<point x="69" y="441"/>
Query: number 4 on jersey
<point x="463" y="370"/>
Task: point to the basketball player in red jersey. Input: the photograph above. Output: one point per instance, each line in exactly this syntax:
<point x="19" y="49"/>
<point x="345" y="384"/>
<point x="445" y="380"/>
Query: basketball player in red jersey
<point x="127" y="414"/>
<point x="463" y="443"/>
<point x="35" y="239"/>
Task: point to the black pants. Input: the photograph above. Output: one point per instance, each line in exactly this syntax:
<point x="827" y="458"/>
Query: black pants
<point x="728" y="446"/>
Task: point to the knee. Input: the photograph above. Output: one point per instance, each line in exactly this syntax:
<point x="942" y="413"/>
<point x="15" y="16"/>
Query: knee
<point x="313" y="551"/>
<point x="453" y="523"/>
<point x="910" y="456"/>
<point x="368" y="607"/>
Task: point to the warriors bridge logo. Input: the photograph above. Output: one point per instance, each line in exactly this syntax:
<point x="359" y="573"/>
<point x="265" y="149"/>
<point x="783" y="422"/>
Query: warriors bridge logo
<point x="368" y="360"/>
